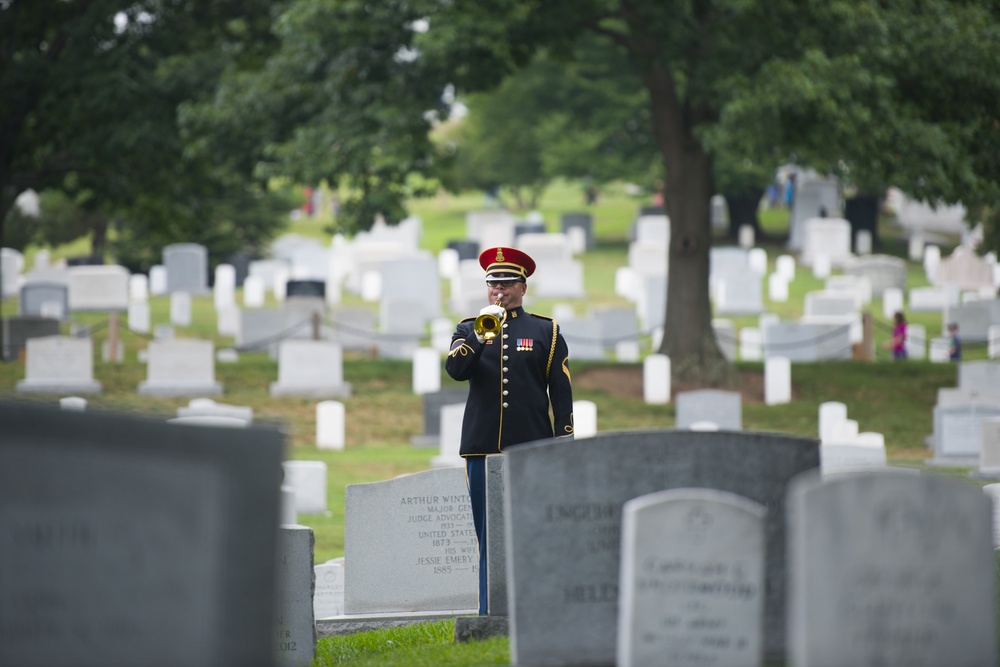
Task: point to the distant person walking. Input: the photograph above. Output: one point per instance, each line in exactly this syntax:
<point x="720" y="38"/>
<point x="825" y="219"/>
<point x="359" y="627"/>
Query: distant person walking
<point x="790" y="190"/>
<point x="898" y="342"/>
<point x="954" y="343"/>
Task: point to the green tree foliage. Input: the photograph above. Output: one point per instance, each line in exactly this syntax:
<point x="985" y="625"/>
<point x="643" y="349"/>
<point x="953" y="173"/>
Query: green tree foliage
<point x="894" y="93"/>
<point x="497" y="146"/>
<point x="583" y="118"/>
<point x="343" y="100"/>
<point x="867" y="91"/>
<point x="21" y="229"/>
<point x="62" y="220"/>
<point x="89" y="92"/>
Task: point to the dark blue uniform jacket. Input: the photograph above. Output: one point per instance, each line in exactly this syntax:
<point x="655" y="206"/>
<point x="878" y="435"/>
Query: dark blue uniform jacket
<point x="512" y="379"/>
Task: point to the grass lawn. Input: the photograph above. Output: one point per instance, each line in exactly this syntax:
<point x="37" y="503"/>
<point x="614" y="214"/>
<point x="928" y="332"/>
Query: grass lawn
<point x="895" y="399"/>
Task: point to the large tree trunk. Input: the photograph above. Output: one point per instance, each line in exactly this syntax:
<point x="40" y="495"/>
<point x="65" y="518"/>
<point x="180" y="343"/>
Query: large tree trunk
<point x="862" y="212"/>
<point x="99" y="237"/>
<point x="688" y="337"/>
<point x="743" y="208"/>
<point x="5" y="205"/>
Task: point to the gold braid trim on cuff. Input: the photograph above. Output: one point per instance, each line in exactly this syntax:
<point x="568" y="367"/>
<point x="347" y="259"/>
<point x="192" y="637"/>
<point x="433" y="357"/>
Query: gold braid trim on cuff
<point x="464" y="349"/>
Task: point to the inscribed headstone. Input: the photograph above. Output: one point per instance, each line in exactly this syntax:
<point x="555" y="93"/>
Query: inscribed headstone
<point x="958" y="432"/>
<point x="692" y="580"/>
<point x="565" y="498"/>
<point x="826" y="237"/>
<point x="882" y="271"/>
<point x="328" y="601"/>
<point x="308" y="480"/>
<point x="34" y="296"/>
<point x="312" y="368"/>
<point x="813" y="198"/>
<point x="180" y="367"/>
<point x="98" y="288"/>
<point x="59" y="365"/>
<point x="723" y="408"/>
<point x="187" y="268"/>
<point x="410" y="545"/>
<point x="295" y="636"/>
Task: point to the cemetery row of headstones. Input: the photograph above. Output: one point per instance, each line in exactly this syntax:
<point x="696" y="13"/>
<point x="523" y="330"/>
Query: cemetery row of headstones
<point x="565" y="516"/>
<point x="677" y="543"/>
<point x="382" y="264"/>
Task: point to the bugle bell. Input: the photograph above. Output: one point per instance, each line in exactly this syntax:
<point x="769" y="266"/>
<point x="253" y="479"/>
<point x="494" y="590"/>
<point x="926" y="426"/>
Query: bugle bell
<point x="487" y="325"/>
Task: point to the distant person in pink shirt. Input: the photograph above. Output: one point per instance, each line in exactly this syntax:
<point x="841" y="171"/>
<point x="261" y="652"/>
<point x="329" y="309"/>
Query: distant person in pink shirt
<point x="899" y="337"/>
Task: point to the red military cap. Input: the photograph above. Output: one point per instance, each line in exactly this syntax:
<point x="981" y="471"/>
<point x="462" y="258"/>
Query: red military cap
<point x="502" y="262"/>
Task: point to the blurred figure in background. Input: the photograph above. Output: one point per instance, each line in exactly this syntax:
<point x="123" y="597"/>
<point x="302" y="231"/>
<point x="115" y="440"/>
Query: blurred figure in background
<point x="898" y="342"/>
<point x="954" y="343"/>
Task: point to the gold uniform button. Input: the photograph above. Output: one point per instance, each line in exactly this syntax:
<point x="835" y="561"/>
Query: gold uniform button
<point x="505" y="357"/>
<point x="505" y="404"/>
<point x="505" y="392"/>
<point x="504" y="369"/>
<point x="506" y="380"/>
<point x="506" y="336"/>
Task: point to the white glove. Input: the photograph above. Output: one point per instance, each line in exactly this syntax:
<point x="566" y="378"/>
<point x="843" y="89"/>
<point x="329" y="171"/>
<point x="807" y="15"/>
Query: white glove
<point x="496" y="311"/>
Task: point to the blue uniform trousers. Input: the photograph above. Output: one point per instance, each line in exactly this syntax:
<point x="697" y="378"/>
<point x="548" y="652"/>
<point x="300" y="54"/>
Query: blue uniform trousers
<point x="475" y="470"/>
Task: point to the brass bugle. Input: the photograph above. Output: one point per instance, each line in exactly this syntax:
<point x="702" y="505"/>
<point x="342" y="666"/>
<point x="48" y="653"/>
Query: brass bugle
<point x="488" y="326"/>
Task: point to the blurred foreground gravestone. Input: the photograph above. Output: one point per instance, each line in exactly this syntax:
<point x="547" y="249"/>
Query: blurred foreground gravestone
<point x="890" y="568"/>
<point x="563" y="505"/>
<point x="126" y="541"/>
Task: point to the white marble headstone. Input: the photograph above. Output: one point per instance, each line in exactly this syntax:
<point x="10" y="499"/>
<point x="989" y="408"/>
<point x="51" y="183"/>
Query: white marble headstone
<point x="308" y="479"/>
<point x="179" y="367"/>
<point x="312" y="368"/>
<point x="330" y="425"/>
<point x="59" y="364"/>
<point x="410" y="545"/>
<point x="329" y="598"/>
<point x="98" y="287"/>
<point x="691" y="584"/>
<point x="777" y="380"/>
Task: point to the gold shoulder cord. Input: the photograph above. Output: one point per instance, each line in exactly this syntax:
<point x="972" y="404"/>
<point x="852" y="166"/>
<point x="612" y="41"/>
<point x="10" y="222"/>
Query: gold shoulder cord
<point x="552" y="348"/>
